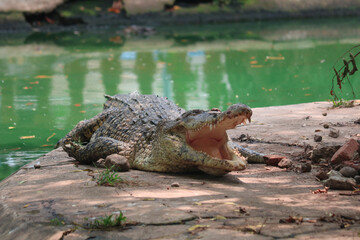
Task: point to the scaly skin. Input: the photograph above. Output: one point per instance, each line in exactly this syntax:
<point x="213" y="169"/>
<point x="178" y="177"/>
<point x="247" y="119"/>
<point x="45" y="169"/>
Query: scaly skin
<point x="156" y="135"/>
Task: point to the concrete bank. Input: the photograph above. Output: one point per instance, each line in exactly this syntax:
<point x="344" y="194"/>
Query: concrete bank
<point x="55" y="15"/>
<point x="60" y="199"/>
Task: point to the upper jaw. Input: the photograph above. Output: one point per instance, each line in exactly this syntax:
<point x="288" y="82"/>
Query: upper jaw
<point x="195" y="119"/>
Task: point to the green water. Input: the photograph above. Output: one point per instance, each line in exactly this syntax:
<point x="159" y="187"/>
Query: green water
<point x="50" y="81"/>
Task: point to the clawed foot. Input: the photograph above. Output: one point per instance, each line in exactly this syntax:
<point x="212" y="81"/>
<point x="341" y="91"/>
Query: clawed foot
<point x="72" y="148"/>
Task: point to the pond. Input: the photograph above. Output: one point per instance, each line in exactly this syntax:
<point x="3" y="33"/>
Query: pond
<point x="50" y="81"/>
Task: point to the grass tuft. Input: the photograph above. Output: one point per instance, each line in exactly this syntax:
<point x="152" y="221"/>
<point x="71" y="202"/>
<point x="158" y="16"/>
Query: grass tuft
<point x="108" y="177"/>
<point x="107" y="222"/>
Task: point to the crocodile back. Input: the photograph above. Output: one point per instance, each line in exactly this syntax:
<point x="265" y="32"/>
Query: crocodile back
<point x="134" y="117"/>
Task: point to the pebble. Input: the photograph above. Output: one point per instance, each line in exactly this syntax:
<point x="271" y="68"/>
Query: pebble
<point x="305" y="167"/>
<point x="357" y="179"/>
<point x="321" y="175"/>
<point x="120" y="162"/>
<point x="273" y="160"/>
<point x="326" y="125"/>
<point x="37" y="165"/>
<point x="317" y="138"/>
<point x="340" y="183"/>
<point x="334" y="133"/>
<point x="324" y="114"/>
<point x="175" y="184"/>
<point x="285" y="163"/>
<point x="348" y="172"/>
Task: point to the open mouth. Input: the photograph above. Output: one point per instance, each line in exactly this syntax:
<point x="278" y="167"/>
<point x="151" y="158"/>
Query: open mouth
<point x="212" y="138"/>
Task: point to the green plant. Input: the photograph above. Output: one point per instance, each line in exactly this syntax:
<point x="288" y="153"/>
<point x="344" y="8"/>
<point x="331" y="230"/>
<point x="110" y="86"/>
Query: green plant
<point x="342" y="103"/>
<point x="107" y="221"/>
<point x="108" y="177"/>
<point x="57" y="222"/>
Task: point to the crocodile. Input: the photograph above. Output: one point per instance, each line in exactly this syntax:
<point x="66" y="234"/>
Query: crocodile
<point x="154" y="134"/>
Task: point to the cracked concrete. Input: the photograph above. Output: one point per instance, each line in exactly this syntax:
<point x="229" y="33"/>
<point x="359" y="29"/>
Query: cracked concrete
<point x="59" y="199"/>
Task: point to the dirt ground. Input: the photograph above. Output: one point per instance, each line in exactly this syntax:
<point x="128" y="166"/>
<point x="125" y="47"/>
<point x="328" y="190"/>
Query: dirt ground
<point x="60" y="199"/>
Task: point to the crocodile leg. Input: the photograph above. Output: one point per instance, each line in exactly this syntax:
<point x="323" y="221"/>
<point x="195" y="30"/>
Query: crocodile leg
<point x="83" y="131"/>
<point x="96" y="149"/>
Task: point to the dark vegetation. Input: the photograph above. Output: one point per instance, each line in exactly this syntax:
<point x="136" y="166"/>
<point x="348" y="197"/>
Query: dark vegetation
<point x="344" y="73"/>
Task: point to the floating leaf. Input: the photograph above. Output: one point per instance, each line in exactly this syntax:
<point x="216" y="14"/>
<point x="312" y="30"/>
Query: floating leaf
<point x="9" y="106"/>
<point x="77" y="104"/>
<point x="116" y="39"/>
<point x="274" y="58"/>
<point x="254" y="62"/>
<point x="27" y="137"/>
<point x="14" y="149"/>
<point x="83" y="111"/>
<point x="27" y="88"/>
<point x="229" y="203"/>
<point x="42" y="76"/>
<point x="307" y="94"/>
<point x="25" y="206"/>
<point x="29" y="103"/>
<point x="198" y="203"/>
<point x="36" y="82"/>
<point x="23" y="181"/>
<point x="50" y="137"/>
<point x="257" y="66"/>
<point x="47" y="145"/>
<point x="11" y="127"/>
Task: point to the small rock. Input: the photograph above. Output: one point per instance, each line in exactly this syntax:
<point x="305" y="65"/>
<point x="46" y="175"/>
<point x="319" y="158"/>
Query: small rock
<point x="326" y="125"/>
<point x="285" y="163"/>
<point x="334" y="133"/>
<point x="346" y="152"/>
<point x="273" y="160"/>
<point x="175" y="184"/>
<point x="321" y="175"/>
<point x="317" y="138"/>
<point x="37" y="165"/>
<point x="304" y="125"/>
<point x="334" y="173"/>
<point x="120" y="162"/>
<point x="353" y="164"/>
<point x="324" y="114"/>
<point x="357" y="179"/>
<point x="340" y="183"/>
<point x="357" y="121"/>
<point x="348" y="172"/>
<point x="323" y="150"/>
<point x="305" y="167"/>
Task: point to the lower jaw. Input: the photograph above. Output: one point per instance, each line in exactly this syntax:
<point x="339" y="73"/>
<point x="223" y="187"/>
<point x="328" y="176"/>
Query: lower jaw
<point x="213" y="171"/>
